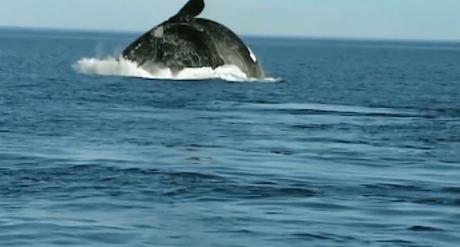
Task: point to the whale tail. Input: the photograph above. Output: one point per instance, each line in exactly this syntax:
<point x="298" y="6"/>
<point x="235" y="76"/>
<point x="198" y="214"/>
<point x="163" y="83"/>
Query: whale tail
<point x="190" y="10"/>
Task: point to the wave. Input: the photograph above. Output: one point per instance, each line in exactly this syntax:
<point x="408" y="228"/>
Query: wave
<point x="121" y="67"/>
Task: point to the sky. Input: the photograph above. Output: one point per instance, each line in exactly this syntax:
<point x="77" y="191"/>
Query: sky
<point x="371" y="19"/>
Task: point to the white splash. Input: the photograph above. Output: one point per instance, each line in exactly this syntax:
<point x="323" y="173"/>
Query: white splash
<point x="122" y="67"/>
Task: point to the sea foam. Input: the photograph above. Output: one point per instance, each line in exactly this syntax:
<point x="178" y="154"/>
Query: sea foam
<point x="121" y="67"/>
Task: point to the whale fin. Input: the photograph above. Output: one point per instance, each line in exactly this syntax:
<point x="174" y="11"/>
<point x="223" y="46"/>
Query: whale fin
<point x="190" y="10"/>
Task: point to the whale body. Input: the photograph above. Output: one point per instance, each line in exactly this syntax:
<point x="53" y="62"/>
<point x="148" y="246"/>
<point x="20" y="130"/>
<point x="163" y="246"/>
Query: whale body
<point x="190" y="42"/>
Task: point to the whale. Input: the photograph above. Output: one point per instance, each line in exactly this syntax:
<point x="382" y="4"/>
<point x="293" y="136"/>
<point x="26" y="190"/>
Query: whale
<point x="186" y="41"/>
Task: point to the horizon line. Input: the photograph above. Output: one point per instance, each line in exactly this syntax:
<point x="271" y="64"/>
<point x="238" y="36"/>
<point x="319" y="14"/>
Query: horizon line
<point x="288" y="36"/>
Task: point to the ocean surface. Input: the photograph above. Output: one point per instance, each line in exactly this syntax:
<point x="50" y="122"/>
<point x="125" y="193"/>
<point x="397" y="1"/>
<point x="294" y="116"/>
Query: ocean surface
<point x="353" y="143"/>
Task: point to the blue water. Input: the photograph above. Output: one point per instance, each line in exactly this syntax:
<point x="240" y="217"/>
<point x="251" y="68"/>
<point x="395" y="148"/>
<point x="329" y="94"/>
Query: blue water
<point x="359" y="145"/>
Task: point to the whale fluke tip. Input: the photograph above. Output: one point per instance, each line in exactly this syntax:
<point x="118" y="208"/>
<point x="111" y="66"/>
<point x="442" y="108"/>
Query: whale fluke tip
<point x="190" y="10"/>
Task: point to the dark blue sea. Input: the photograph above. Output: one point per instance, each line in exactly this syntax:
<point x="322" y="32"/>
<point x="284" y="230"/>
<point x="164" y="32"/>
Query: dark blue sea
<point x="356" y="144"/>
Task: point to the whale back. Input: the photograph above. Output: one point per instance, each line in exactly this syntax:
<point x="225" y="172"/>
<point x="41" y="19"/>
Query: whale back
<point x="194" y="44"/>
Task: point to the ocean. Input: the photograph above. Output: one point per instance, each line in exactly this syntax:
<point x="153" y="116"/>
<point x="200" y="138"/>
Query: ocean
<point x="346" y="143"/>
